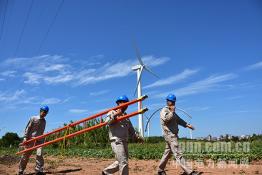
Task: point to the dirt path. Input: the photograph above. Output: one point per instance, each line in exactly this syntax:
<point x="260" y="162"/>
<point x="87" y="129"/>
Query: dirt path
<point x="83" y="166"/>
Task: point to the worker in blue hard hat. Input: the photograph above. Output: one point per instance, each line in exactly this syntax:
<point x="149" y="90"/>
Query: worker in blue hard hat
<point x="169" y="121"/>
<point x="34" y="128"/>
<point x="118" y="136"/>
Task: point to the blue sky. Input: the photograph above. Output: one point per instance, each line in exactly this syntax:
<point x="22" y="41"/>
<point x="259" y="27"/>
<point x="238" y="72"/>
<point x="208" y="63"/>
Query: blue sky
<point x="206" y="52"/>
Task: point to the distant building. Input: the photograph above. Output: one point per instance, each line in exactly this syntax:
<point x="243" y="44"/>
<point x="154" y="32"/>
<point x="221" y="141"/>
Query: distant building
<point x="209" y="137"/>
<point x="214" y="139"/>
<point x="221" y="137"/>
<point x="200" y="138"/>
<point x="226" y="137"/>
<point x="243" y="137"/>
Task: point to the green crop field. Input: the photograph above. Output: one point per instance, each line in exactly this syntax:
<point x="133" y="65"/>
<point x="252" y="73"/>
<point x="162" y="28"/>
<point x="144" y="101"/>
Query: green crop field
<point x="196" y="150"/>
<point x="95" y="144"/>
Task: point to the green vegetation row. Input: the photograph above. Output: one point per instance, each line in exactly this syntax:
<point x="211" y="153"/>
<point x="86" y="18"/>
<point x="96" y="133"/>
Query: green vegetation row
<point x="146" y="151"/>
<point x="95" y="144"/>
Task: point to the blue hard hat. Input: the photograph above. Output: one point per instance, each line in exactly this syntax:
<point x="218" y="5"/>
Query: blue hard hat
<point x="122" y="98"/>
<point x="44" y="108"/>
<point x="171" y="97"/>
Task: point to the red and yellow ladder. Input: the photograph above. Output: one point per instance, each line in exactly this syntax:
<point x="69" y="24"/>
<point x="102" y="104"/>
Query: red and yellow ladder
<point x="84" y="130"/>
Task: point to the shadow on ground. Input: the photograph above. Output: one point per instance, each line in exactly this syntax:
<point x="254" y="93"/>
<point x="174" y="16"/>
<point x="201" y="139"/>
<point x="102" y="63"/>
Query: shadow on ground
<point x="59" y="172"/>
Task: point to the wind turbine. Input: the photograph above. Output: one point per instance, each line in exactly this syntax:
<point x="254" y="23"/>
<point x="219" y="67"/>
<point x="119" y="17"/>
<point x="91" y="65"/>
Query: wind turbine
<point x="139" y="70"/>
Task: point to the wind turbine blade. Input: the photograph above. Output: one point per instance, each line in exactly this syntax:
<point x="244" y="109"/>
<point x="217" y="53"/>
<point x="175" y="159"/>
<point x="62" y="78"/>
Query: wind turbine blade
<point x="138" y="55"/>
<point x="150" y="71"/>
<point x="146" y="128"/>
<point x="152" y="115"/>
<point x="147" y="120"/>
<point x="184" y="112"/>
<point x="139" y="80"/>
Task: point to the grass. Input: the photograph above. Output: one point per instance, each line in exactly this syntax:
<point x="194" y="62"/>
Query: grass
<point x="148" y="151"/>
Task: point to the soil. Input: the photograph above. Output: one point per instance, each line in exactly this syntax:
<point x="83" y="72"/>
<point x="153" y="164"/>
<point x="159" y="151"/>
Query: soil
<point x="87" y="166"/>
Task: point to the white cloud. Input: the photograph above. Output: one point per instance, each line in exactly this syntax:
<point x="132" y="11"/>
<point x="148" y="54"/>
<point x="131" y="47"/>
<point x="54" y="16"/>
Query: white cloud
<point x="154" y="61"/>
<point x="9" y="73"/>
<point x="32" y="78"/>
<point x="173" y="79"/>
<point x="62" y="78"/>
<point x="255" y="66"/>
<point x="17" y="98"/>
<point x="78" y="111"/>
<point x="9" y="97"/>
<point x="54" y="101"/>
<point x="116" y="70"/>
<point x="49" y="101"/>
<point x="204" y="85"/>
<point x="200" y="86"/>
<point x="56" y="69"/>
<point x="36" y="78"/>
<point x="106" y="72"/>
<point x="50" y="67"/>
<point x="98" y="93"/>
<point x="32" y="62"/>
<point x="21" y="97"/>
<point x="27" y="100"/>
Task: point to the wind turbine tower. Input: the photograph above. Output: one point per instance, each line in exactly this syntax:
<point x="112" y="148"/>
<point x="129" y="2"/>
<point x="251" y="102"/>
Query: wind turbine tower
<point x="139" y="70"/>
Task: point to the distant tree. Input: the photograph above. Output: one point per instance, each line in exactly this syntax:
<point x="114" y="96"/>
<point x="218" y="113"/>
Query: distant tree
<point x="10" y="139"/>
<point x="226" y="137"/>
<point x="157" y="139"/>
<point x="255" y="137"/>
<point x="235" y="138"/>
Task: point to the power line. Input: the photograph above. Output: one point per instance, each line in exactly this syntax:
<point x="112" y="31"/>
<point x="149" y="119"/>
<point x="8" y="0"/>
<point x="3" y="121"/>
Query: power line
<point x="23" y="29"/>
<point x="3" y="23"/>
<point x="50" y="26"/>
